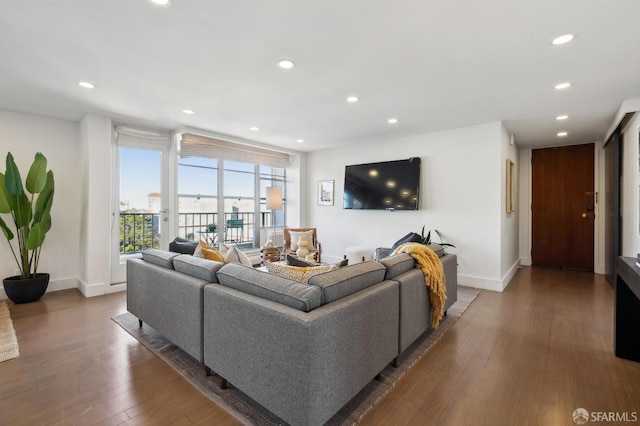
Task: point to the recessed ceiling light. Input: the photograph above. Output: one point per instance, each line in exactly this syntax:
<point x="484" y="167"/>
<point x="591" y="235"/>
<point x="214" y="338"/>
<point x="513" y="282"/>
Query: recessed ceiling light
<point x="562" y="117"/>
<point x="161" y="3"/>
<point x="353" y="99"/>
<point x="561" y="86"/>
<point x="562" y="134"/>
<point x="86" y="84"/>
<point x="300" y="141"/>
<point x="566" y="38"/>
<point x="254" y="128"/>
<point x="188" y="111"/>
<point x="392" y="120"/>
<point x="286" y="64"/>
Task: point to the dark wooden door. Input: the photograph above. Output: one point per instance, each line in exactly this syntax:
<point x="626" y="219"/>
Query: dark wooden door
<point x="563" y="207"/>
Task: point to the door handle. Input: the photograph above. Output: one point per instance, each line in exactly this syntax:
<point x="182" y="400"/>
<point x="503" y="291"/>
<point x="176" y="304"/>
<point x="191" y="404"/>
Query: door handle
<point x="584" y="215"/>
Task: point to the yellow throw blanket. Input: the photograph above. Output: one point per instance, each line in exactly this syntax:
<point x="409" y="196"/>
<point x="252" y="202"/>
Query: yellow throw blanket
<point x="434" y="278"/>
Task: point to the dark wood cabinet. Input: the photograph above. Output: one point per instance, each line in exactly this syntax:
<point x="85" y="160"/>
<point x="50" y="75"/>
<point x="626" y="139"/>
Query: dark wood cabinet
<point x="627" y="310"/>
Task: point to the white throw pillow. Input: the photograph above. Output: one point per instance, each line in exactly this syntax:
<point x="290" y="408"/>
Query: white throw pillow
<point x="231" y="254"/>
<point x="295" y="237"/>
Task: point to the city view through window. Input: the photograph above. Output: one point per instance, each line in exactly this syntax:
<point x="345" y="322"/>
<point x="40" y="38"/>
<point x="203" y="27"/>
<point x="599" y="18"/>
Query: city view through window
<point x="218" y="201"/>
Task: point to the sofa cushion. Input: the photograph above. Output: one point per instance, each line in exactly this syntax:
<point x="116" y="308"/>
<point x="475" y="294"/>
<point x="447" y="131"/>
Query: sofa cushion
<point x="198" y="267"/>
<point x="397" y="264"/>
<point x="159" y="257"/>
<point x="182" y="246"/>
<point x="271" y="287"/>
<point x="347" y="280"/>
<point x="437" y="249"/>
<point x="297" y="273"/>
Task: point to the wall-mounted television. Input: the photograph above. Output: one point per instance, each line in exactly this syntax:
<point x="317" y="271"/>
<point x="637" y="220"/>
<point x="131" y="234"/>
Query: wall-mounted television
<point x="387" y="185"/>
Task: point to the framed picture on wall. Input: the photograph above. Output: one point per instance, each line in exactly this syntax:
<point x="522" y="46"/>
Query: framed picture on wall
<point x="325" y="192"/>
<point x="509" y="189"/>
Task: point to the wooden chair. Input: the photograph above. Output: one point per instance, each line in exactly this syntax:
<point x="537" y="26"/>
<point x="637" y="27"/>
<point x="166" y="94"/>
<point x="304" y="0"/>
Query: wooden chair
<point x="314" y="246"/>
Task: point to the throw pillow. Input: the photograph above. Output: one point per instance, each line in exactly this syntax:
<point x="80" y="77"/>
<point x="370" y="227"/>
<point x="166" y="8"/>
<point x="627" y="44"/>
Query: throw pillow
<point x="411" y="237"/>
<point x="297" y="273"/>
<point x="231" y="254"/>
<point x="294" y="261"/>
<point x="183" y="246"/>
<point x="210" y="253"/>
<point x="295" y="237"/>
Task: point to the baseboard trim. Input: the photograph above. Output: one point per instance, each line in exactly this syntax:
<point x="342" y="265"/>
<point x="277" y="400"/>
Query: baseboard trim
<point x="91" y="290"/>
<point x="510" y="274"/>
<point x="480" y="283"/>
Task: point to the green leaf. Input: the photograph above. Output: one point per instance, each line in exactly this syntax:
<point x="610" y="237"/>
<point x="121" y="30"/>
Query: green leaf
<point x="45" y="199"/>
<point x="37" y="177"/>
<point x="23" y="211"/>
<point x="36" y="237"/>
<point x="5" y="229"/>
<point x="5" y="207"/>
<point x="12" y="179"/>
<point x="45" y="222"/>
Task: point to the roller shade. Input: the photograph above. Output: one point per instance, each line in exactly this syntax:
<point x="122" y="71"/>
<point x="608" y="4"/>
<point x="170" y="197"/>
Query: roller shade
<point x="137" y="137"/>
<point x="199" y="146"/>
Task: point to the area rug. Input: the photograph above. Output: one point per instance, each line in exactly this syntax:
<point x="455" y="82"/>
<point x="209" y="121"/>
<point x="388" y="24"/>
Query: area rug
<point x="248" y="411"/>
<point x="8" y="340"/>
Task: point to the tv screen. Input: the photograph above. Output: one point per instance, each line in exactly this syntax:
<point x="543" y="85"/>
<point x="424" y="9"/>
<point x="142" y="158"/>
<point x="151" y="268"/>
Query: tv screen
<point x="388" y="185"/>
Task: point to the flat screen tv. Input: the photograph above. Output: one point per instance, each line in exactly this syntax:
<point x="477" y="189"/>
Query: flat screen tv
<point x="387" y="185"/>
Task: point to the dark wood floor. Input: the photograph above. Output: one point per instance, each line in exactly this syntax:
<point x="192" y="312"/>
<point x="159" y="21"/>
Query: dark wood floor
<point x="530" y="355"/>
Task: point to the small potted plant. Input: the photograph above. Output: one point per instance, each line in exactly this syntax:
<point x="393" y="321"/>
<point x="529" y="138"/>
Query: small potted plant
<point x="29" y="207"/>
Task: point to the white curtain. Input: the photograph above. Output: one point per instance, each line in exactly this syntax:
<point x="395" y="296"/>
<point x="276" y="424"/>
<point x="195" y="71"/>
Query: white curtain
<point x="137" y="137"/>
<point x="199" y="146"/>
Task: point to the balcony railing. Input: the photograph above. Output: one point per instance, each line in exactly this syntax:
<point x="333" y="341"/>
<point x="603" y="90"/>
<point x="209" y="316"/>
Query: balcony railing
<point x="140" y="231"/>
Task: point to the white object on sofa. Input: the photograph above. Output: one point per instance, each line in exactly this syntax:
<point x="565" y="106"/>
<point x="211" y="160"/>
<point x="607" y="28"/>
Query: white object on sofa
<point x="356" y="254"/>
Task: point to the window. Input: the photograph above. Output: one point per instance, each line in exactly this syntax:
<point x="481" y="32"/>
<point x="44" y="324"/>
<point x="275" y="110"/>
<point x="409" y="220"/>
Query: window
<point x="224" y="200"/>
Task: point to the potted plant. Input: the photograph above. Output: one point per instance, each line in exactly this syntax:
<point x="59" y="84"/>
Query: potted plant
<point x="426" y="239"/>
<point x="29" y="208"/>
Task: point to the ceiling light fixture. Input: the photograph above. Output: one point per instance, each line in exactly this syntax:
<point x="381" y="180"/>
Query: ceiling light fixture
<point x="254" y="128"/>
<point x="562" y="117"/>
<point x="562" y="134"/>
<point x="161" y="3"/>
<point x="300" y="141"/>
<point x="188" y="111"/>
<point x="286" y="64"/>
<point x="353" y="99"/>
<point x="561" y="86"/>
<point x="86" y="84"/>
<point x="392" y="120"/>
<point x="565" y="38"/>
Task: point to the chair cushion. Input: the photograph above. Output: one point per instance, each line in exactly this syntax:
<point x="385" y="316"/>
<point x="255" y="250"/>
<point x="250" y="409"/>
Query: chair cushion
<point x="271" y="287"/>
<point x="295" y="237"/>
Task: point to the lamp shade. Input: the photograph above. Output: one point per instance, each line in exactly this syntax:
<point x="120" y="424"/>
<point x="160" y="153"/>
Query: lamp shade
<point x="274" y="197"/>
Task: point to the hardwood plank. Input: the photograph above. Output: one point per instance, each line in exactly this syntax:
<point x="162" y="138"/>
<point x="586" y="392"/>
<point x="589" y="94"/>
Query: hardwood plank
<point x="530" y="355"/>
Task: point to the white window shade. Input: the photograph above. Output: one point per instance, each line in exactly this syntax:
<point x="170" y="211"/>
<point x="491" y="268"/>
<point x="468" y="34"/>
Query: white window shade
<point x="136" y="137"/>
<point x="199" y="146"/>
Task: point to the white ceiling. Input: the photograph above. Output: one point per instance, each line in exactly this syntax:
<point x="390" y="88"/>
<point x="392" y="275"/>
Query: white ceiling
<point x="434" y="65"/>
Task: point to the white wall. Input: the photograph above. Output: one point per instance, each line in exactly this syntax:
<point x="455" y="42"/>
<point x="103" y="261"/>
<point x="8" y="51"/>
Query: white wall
<point x="631" y="189"/>
<point x="23" y="135"/>
<point x="95" y="171"/>
<point x="509" y="224"/>
<point x="462" y="191"/>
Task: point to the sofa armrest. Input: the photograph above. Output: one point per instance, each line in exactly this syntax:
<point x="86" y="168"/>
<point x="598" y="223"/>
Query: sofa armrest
<point x="168" y="301"/>
<point x="301" y="366"/>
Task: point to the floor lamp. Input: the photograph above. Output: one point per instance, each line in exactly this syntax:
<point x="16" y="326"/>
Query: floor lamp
<point x="274" y="202"/>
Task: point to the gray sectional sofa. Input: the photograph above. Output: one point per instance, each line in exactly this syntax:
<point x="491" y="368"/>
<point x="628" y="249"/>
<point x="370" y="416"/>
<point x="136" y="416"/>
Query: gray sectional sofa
<point x="300" y="350"/>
